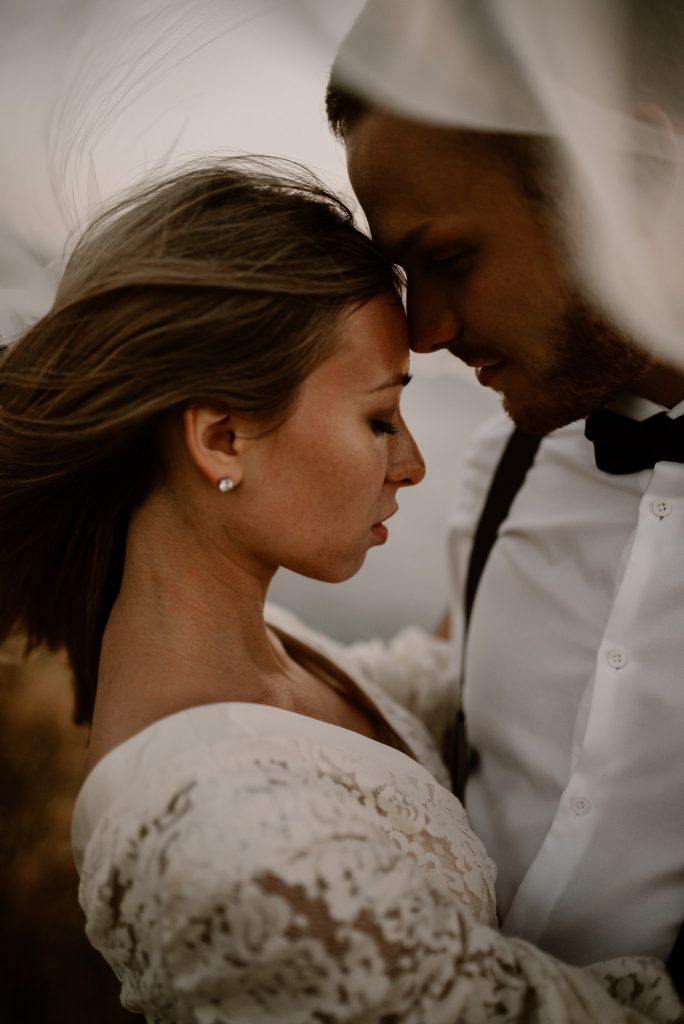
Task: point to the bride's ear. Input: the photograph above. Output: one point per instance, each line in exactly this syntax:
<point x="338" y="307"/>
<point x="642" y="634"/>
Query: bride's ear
<point x="214" y="443"/>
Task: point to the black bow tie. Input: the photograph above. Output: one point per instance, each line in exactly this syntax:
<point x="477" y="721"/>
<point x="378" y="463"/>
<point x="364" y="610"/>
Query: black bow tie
<point x="622" y="445"/>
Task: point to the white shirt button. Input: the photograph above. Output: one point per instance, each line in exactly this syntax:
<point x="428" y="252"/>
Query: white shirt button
<point x="580" y="805"/>
<point x="661" y="507"/>
<point x="617" y="659"/>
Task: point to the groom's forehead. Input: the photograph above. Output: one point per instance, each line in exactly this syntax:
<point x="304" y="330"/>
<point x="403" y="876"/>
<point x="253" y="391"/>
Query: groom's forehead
<point x="386" y="154"/>
<point x="407" y="175"/>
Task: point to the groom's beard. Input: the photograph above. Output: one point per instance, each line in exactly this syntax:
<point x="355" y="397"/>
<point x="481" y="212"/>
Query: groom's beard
<point x="591" y="363"/>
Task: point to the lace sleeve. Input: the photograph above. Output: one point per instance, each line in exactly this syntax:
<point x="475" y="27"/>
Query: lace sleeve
<point x="292" y="886"/>
<point x="417" y="669"/>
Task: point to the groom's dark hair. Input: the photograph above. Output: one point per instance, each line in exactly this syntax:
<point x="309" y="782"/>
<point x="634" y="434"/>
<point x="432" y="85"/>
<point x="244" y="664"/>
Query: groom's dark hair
<point x="650" y="27"/>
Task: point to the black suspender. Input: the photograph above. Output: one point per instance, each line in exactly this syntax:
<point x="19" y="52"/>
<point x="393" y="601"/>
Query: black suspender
<point x="516" y="459"/>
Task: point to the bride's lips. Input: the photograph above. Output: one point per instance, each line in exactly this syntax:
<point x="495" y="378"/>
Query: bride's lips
<point x="380" y="531"/>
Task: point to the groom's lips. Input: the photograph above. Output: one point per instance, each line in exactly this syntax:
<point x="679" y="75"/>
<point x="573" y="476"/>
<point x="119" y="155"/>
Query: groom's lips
<point x="487" y="373"/>
<point x="487" y="367"/>
<point x="476" y="359"/>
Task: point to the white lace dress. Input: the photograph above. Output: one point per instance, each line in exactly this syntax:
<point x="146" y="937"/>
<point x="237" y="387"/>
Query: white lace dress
<point x="241" y="863"/>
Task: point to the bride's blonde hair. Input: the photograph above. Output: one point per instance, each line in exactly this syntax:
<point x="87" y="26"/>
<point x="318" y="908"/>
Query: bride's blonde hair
<point x="221" y="285"/>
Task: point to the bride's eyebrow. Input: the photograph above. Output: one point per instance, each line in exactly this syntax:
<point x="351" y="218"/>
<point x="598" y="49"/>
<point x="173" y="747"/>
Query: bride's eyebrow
<point x="400" y="380"/>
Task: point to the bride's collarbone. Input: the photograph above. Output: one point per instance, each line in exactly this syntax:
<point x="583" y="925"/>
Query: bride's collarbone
<point x="137" y="695"/>
<point x="338" y="706"/>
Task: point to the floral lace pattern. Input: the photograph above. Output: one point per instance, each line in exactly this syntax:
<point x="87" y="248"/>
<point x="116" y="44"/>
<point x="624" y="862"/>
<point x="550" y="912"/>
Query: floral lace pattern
<point x="244" y="864"/>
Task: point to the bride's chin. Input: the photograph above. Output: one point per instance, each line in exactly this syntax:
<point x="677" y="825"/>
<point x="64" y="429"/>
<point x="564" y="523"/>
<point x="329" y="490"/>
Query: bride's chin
<point x="330" y="573"/>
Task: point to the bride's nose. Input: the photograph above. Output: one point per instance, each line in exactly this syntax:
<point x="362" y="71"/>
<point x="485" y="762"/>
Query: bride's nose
<point x="407" y="467"/>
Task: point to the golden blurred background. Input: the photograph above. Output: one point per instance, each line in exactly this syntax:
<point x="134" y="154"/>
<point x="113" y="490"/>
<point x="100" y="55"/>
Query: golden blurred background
<point x="51" y="975"/>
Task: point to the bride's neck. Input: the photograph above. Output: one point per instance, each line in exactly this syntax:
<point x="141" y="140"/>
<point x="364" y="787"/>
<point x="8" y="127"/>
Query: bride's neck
<point x="187" y="627"/>
<point x="185" y="590"/>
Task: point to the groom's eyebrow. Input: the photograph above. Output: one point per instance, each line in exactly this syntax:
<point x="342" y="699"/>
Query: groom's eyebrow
<point x="400" y="380"/>
<point x="397" y="248"/>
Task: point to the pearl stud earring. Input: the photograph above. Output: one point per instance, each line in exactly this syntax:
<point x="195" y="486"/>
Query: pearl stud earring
<point x="226" y="484"/>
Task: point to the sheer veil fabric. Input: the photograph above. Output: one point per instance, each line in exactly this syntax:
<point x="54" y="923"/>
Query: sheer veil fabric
<point x="603" y="81"/>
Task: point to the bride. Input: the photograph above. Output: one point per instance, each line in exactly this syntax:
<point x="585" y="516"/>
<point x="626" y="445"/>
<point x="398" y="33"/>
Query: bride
<point x="265" y="832"/>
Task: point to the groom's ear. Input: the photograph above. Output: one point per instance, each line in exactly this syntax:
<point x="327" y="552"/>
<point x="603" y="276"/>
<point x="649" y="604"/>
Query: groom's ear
<point x="215" y="442"/>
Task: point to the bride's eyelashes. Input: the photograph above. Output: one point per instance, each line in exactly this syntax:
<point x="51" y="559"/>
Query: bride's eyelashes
<point x="380" y="427"/>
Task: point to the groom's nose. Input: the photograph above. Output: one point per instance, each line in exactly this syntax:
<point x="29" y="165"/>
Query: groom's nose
<point x="433" y="321"/>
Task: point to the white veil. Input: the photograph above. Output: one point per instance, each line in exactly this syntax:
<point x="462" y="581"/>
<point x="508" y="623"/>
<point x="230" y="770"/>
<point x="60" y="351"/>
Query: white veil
<point x="603" y="78"/>
<point x="100" y="95"/>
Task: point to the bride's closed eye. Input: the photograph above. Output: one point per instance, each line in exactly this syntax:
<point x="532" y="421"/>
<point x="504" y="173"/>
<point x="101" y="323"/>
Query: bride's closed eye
<point x="383" y="427"/>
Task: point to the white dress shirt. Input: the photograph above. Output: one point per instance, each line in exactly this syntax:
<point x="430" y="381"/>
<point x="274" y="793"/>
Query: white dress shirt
<point x="574" y="695"/>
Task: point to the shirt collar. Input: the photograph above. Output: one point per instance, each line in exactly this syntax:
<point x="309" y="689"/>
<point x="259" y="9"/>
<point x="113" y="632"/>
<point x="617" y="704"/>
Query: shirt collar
<point x="638" y="408"/>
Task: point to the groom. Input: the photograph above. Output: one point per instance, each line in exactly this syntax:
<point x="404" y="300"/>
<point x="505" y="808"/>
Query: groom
<point x="572" y="685"/>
